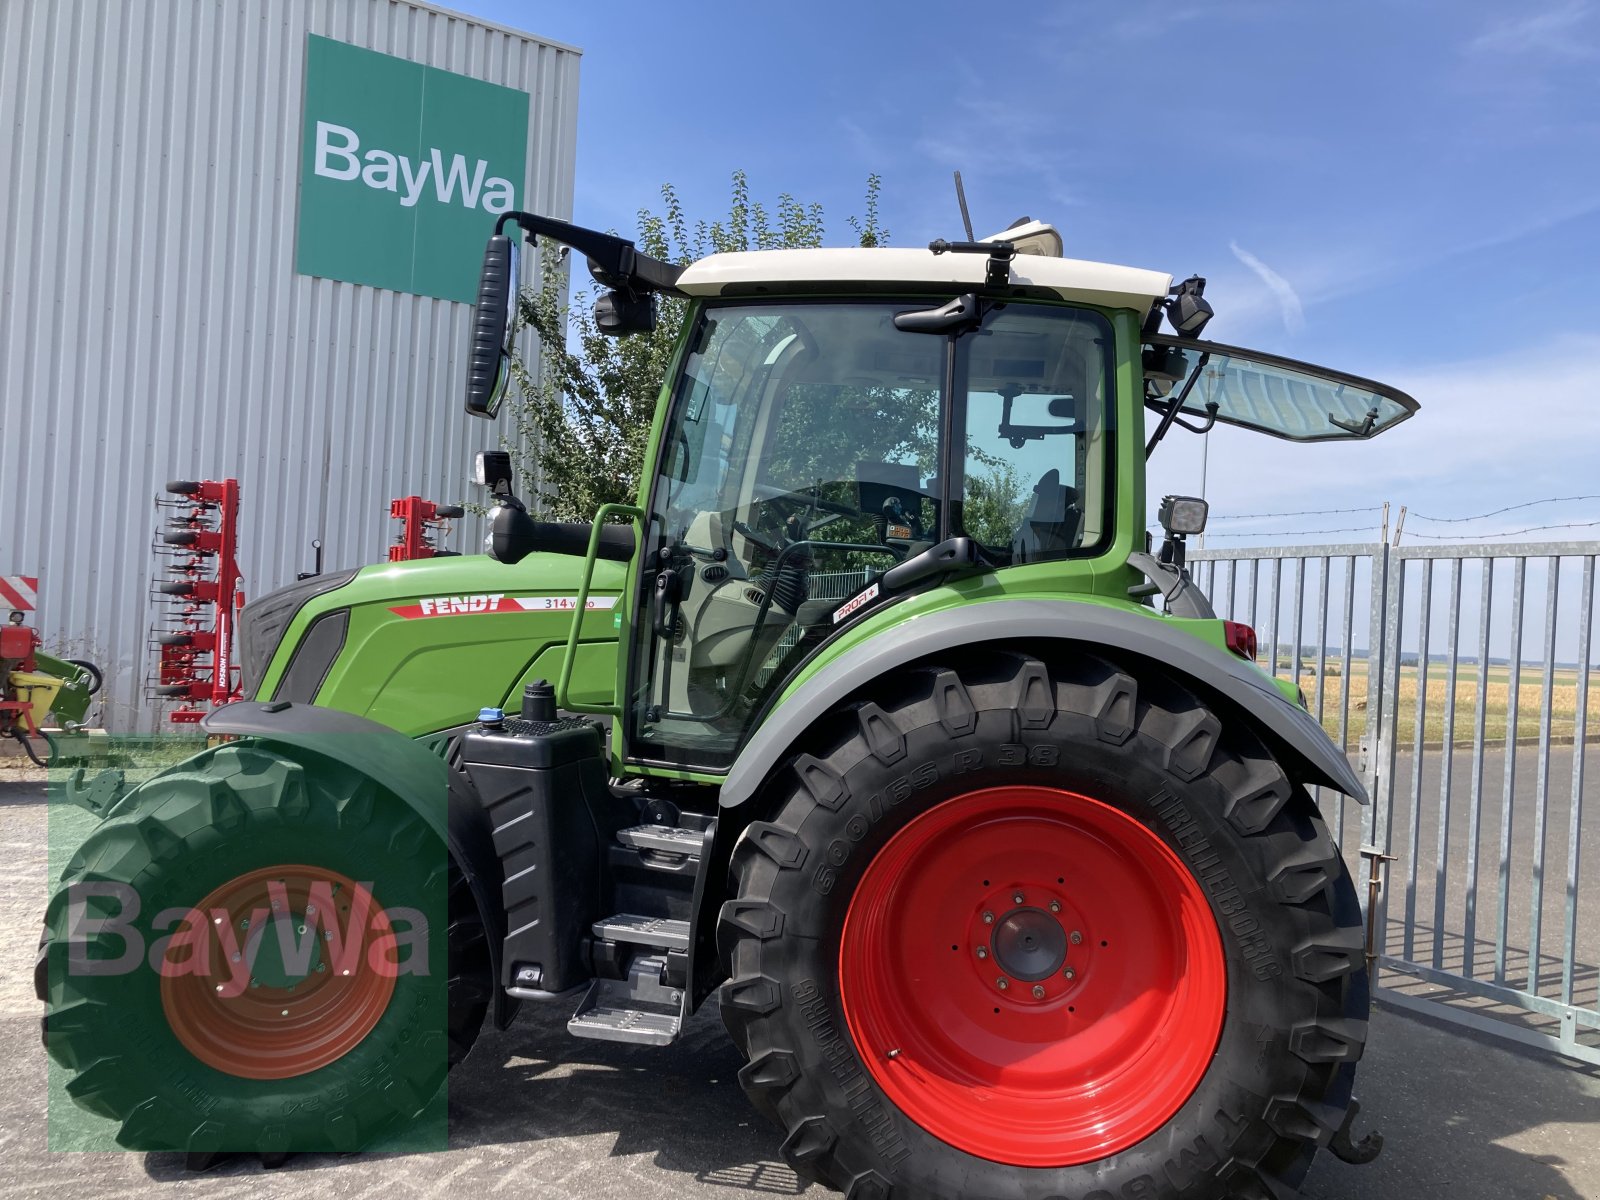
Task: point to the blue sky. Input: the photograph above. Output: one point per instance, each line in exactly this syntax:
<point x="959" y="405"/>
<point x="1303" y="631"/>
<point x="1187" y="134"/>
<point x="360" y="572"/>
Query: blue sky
<point x="1409" y="191"/>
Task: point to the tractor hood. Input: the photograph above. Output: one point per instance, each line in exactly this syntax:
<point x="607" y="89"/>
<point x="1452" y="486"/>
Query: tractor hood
<point x="423" y="645"/>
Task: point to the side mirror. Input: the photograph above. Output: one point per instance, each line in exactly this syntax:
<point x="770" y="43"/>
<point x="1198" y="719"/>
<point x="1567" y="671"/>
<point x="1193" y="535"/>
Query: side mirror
<point x="489" y="354"/>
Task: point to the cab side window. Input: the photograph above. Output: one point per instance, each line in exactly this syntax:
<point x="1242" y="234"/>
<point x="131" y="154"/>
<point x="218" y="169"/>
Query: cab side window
<point x="1037" y="433"/>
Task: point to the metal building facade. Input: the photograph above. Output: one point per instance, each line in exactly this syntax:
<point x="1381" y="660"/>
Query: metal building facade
<point x="152" y="325"/>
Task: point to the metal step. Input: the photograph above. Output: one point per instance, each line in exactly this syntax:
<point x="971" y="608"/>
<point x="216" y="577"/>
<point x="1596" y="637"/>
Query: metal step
<point x="662" y="839"/>
<point x="639" y="1009"/>
<point x="660" y="933"/>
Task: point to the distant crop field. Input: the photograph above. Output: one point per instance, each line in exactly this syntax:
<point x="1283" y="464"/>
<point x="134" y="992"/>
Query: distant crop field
<point x="1496" y="686"/>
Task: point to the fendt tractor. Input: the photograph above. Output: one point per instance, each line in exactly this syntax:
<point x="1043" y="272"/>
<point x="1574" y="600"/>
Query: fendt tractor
<point x="864" y="720"/>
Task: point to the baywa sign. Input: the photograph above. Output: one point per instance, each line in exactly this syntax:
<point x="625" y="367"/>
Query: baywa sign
<point x="403" y="170"/>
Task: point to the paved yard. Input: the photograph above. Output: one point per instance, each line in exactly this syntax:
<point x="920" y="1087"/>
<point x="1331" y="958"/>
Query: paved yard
<point x="535" y="1112"/>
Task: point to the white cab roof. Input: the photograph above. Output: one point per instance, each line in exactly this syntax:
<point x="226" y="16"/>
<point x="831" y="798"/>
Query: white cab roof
<point x="754" y="271"/>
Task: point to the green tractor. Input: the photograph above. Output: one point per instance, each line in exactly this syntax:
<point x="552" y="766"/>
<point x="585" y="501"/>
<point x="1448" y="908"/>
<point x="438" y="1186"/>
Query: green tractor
<point x="863" y="721"/>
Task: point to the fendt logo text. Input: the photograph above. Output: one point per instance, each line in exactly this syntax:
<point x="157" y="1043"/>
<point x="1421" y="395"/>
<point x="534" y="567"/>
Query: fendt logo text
<point x="339" y="156"/>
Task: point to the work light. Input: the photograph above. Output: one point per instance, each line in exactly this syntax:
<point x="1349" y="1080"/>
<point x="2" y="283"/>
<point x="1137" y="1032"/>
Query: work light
<point x="492" y="469"/>
<point x="1183" y="515"/>
<point x="1188" y="309"/>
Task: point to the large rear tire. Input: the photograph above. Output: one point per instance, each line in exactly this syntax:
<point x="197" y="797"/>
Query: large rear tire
<point x="320" y="1054"/>
<point x="1020" y="931"/>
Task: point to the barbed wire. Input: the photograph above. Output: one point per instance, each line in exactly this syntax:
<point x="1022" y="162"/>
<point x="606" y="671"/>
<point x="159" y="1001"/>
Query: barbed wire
<point x="1445" y="537"/>
<point x="1310" y="512"/>
<point x="1410" y="516"/>
<point x="1436" y="537"/>
<point x="1509" y="508"/>
<point x="1295" y="532"/>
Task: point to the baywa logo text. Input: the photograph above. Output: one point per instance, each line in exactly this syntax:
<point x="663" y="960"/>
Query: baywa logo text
<point x="306" y="938"/>
<point x="452" y="181"/>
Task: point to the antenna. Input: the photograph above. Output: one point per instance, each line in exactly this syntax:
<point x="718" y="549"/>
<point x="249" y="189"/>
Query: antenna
<point x="961" y="199"/>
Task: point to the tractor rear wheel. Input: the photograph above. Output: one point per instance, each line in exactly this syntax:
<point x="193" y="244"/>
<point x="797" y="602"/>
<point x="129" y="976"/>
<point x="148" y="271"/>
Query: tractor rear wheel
<point x="240" y="959"/>
<point x="1022" y="931"/>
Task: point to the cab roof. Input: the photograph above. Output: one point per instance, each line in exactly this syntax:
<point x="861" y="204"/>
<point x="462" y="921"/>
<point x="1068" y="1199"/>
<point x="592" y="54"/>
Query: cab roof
<point x="760" y="272"/>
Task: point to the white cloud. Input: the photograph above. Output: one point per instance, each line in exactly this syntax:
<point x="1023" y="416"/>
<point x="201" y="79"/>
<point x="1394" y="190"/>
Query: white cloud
<point x="1565" y="31"/>
<point x="1294" y="319"/>
<point x="1362" y="260"/>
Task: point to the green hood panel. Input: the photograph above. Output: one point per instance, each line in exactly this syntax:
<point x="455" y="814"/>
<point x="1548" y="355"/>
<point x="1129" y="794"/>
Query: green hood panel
<point x="428" y="643"/>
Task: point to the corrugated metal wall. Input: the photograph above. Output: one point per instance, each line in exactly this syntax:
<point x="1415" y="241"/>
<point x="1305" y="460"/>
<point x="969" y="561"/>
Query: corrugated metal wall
<point x="151" y="323"/>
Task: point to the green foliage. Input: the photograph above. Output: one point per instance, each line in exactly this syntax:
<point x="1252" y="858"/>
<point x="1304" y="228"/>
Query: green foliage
<point x="588" y="414"/>
<point x="994" y="502"/>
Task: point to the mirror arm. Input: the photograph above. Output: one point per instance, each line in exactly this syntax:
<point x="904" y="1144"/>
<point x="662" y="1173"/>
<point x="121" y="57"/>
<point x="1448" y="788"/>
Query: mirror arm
<point x="616" y="258"/>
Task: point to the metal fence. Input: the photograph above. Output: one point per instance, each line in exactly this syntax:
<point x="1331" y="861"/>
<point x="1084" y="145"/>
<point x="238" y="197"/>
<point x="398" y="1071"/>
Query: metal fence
<point x="1472" y="717"/>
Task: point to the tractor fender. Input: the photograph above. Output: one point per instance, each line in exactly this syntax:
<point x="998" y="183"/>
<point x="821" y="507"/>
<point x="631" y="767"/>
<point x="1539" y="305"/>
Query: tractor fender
<point x="1298" y="741"/>
<point x="402" y="766"/>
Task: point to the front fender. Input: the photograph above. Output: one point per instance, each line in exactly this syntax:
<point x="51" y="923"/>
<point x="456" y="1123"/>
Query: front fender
<point x="404" y="767"/>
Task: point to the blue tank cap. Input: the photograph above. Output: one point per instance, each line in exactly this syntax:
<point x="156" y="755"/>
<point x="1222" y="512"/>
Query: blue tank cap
<point x="491" y="716"/>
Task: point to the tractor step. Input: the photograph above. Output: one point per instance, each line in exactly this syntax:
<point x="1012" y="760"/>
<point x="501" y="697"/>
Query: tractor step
<point x="661" y="933"/>
<point x="640" y="1009"/>
<point x="662" y="839"/>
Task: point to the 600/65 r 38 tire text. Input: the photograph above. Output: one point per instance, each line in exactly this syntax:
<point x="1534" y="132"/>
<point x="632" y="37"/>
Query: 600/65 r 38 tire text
<point x="289" y="1051"/>
<point x="1026" y="931"/>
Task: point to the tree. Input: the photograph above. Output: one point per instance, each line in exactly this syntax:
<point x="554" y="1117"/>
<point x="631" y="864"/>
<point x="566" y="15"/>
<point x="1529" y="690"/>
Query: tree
<point x="994" y="501"/>
<point x="587" y="417"/>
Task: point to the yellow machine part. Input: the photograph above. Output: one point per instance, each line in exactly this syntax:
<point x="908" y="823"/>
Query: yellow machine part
<point x="37" y="691"/>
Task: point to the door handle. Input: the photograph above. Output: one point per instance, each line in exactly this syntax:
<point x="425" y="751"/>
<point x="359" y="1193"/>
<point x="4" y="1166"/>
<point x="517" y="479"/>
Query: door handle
<point x="664" y="604"/>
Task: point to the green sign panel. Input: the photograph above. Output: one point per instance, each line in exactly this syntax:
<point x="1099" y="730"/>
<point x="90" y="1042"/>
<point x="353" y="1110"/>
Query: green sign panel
<point x="403" y="170"/>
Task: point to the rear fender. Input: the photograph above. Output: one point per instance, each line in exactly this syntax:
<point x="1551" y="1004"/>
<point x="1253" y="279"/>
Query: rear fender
<point x="404" y="767"/>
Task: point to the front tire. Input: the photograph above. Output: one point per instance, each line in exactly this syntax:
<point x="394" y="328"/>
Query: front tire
<point x="1025" y="932"/>
<point x="271" y="970"/>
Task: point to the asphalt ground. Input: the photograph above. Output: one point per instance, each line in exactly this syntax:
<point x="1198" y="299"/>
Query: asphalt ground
<point x="535" y="1112"/>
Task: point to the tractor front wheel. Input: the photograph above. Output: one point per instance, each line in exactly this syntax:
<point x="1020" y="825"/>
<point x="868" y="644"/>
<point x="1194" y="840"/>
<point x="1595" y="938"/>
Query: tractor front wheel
<point x="1023" y="931"/>
<point x="263" y="954"/>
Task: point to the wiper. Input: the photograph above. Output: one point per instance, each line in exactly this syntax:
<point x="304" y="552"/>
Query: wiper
<point x="1361" y="428"/>
<point x="1170" y="413"/>
<point x="954" y="555"/>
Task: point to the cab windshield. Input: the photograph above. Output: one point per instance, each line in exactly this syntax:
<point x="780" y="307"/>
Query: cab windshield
<point x="811" y="445"/>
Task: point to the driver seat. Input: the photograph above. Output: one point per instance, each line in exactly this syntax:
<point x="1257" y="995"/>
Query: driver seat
<point x="1052" y="524"/>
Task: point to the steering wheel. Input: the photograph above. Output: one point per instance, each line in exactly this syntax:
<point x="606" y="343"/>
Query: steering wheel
<point x="768" y="494"/>
<point x="760" y="539"/>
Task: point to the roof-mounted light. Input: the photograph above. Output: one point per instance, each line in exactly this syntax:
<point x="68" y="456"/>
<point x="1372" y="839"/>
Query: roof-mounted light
<point x="1187" y="307"/>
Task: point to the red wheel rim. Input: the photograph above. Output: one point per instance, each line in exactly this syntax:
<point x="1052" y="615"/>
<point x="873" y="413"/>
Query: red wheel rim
<point x="1115" y="981"/>
<point x="313" y="976"/>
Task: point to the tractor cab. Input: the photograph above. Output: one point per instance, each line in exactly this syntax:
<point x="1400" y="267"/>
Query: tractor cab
<point x="822" y="457"/>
